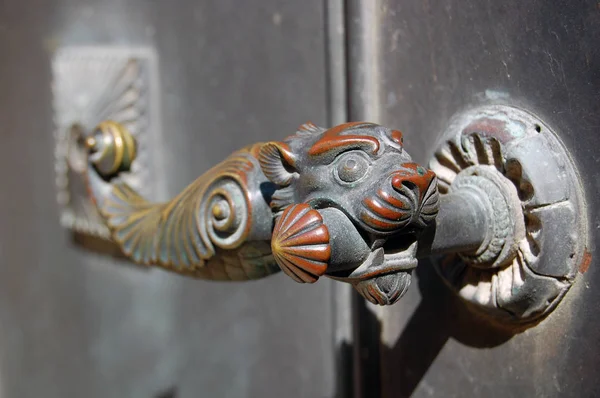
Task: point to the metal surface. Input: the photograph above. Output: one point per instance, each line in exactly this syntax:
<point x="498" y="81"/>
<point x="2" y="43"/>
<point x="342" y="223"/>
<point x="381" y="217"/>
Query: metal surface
<point x="91" y="84"/>
<point x="75" y="323"/>
<point x="437" y="59"/>
<point x="345" y="202"/>
<point x="537" y="220"/>
<point x="349" y="203"/>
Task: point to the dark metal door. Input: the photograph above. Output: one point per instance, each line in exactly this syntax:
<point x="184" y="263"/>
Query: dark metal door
<point x="432" y="60"/>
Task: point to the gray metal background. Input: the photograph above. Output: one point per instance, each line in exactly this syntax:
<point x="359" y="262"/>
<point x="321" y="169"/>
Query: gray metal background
<point x="431" y="59"/>
<point x="73" y="323"/>
<point x="77" y="324"/>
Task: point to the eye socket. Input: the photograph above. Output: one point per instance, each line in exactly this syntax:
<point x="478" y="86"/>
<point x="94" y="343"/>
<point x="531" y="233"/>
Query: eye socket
<point x="351" y="167"/>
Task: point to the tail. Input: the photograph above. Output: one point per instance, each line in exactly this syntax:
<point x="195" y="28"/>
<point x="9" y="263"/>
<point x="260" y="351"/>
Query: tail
<point x="184" y="235"/>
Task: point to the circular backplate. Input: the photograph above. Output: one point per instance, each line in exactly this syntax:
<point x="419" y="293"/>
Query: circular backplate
<point x="544" y="188"/>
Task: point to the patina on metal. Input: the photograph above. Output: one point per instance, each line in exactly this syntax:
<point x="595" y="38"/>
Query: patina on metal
<point x="90" y="85"/>
<point x="530" y="219"/>
<point x="346" y="202"/>
<point x="349" y="203"/>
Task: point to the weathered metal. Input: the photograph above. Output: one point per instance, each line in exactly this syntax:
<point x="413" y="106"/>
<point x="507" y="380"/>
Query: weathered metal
<point x="349" y="203"/>
<point x="345" y="202"/>
<point x="517" y="168"/>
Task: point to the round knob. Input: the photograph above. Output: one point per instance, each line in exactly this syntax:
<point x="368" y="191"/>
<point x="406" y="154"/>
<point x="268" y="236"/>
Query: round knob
<point x="112" y="148"/>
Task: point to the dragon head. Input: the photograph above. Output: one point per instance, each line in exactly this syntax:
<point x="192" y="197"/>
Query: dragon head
<point x="349" y="204"/>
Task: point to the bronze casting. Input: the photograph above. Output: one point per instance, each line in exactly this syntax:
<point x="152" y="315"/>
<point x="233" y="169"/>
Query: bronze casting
<point x="350" y="204"/>
<point x="345" y="202"/>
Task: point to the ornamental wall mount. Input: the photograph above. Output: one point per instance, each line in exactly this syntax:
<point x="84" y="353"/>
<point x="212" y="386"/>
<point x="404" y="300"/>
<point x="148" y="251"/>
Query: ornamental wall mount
<point x="499" y="209"/>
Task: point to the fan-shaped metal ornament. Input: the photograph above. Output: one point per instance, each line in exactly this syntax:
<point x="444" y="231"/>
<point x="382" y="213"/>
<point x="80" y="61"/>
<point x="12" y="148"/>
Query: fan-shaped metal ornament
<point x="91" y="85"/>
<point x="536" y="243"/>
<point x="300" y="243"/>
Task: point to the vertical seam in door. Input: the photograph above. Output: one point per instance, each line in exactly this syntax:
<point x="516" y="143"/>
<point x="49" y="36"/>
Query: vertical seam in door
<point x="363" y="91"/>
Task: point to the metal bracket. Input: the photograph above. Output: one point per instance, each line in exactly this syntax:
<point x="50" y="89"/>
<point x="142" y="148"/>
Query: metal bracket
<point x="92" y="84"/>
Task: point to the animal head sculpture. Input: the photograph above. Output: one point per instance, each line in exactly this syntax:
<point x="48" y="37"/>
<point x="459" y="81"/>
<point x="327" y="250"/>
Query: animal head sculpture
<point x="349" y="204"/>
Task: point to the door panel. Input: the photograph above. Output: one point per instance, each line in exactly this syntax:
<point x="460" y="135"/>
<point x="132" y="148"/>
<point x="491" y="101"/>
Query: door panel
<point x="435" y="59"/>
<point x="75" y="323"/>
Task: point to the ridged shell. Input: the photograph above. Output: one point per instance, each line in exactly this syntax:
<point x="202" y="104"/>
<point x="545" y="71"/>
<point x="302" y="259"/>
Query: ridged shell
<point x="300" y="243"/>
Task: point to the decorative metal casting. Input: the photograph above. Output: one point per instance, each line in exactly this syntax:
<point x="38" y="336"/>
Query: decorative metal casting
<point x="92" y="84"/>
<point x="349" y="203"/>
<point x="537" y="237"/>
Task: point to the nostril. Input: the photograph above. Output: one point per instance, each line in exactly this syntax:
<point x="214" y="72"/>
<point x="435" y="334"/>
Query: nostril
<point x="400" y="181"/>
<point x="413" y="177"/>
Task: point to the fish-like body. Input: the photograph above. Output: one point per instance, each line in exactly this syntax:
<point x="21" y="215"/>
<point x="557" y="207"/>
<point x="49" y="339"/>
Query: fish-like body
<point x="218" y="228"/>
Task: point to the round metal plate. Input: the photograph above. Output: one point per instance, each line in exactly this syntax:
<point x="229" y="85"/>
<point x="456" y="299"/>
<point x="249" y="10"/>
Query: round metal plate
<point x="548" y="236"/>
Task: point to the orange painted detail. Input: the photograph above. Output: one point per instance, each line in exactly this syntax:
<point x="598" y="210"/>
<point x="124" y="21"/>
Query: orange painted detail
<point x="377" y="223"/>
<point x="392" y="200"/>
<point x="300" y="243"/>
<point x="415" y="174"/>
<point x="585" y="262"/>
<point x="332" y="140"/>
<point x="273" y="158"/>
<point x="383" y="211"/>
<point x="308" y="126"/>
<point x="255" y="149"/>
<point x="397" y="137"/>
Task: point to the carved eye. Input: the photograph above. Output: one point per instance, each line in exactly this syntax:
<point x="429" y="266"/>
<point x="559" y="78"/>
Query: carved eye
<point x="351" y="167"/>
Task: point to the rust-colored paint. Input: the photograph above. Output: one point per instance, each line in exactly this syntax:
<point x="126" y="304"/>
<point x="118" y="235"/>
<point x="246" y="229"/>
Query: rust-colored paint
<point x="377" y="223"/>
<point x="331" y="139"/>
<point x="255" y="149"/>
<point x="414" y="174"/>
<point x="397" y="137"/>
<point x="285" y="152"/>
<point x="392" y="200"/>
<point x="489" y="127"/>
<point x="300" y="243"/>
<point x="383" y="211"/>
<point x="585" y="262"/>
<point x="308" y="126"/>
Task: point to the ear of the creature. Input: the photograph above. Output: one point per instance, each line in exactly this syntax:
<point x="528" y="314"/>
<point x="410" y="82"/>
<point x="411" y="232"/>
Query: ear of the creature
<point x="278" y="163"/>
<point x="310" y="128"/>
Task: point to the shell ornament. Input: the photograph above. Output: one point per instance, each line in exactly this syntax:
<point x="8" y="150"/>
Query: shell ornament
<point x="300" y="243"/>
<point x="323" y="202"/>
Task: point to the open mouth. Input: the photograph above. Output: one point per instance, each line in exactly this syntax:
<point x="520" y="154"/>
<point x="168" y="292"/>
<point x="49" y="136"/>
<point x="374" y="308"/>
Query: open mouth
<point x="377" y="255"/>
<point x="308" y="243"/>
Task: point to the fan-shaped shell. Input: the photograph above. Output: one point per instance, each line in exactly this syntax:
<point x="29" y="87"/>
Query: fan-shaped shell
<point x="300" y="243"/>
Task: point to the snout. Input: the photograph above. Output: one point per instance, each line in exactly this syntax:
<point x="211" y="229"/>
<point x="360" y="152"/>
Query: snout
<point x="419" y="185"/>
<point x="408" y="196"/>
<point x="414" y="178"/>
